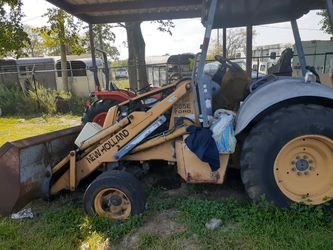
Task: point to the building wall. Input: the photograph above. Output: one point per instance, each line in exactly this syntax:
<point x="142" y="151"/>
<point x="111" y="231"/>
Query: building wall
<point x="321" y="59"/>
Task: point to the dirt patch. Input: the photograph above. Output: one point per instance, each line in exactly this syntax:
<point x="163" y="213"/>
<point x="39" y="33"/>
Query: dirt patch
<point x="183" y="191"/>
<point x="231" y="188"/>
<point x="163" y="225"/>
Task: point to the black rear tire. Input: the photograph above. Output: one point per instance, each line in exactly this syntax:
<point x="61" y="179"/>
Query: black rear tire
<point x="268" y="137"/>
<point x="100" y="106"/>
<point x="119" y="180"/>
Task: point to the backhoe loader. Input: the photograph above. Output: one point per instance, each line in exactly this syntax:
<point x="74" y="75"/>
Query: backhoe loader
<point x="284" y="129"/>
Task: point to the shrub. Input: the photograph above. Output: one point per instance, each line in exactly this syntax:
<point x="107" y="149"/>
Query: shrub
<point x="13" y="101"/>
<point x="40" y="101"/>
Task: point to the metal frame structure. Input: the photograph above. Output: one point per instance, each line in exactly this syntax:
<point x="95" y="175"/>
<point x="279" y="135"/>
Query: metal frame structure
<point x="213" y="8"/>
<point x="127" y="11"/>
<point x="199" y="80"/>
<point x="205" y="107"/>
<point x="299" y="46"/>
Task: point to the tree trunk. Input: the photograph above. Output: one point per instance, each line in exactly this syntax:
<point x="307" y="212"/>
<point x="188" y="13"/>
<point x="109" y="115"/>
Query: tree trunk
<point x="136" y="55"/>
<point x="132" y="72"/>
<point x="64" y="71"/>
<point x="141" y="57"/>
<point x="100" y="39"/>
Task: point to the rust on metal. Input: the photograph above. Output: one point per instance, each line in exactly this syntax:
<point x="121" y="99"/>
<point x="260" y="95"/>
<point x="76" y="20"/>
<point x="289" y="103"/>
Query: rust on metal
<point x="26" y="165"/>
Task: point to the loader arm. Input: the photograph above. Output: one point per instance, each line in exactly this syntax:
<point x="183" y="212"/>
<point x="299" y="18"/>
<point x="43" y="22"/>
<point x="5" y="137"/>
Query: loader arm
<point x="106" y="148"/>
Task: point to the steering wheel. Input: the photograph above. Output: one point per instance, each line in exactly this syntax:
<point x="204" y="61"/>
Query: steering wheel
<point x="226" y="62"/>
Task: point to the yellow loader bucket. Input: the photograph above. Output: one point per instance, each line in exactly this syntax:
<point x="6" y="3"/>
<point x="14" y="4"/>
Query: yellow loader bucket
<point x="25" y="167"/>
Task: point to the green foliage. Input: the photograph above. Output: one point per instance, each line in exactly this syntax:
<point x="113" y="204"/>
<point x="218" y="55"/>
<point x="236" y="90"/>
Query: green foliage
<point x="13" y="101"/>
<point x="63" y="227"/>
<point x="261" y="226"/>
<point x="165" y="26"/>
<point x="45" y="100"/>
<point x="34" y="48"/>
<point x="325" y="22"/>
<point x="63" y="27"/>
<point x="120" y="63"/>
<point x="40" y="101"/>
<point x="148" y="240"/>
<point x="12" y="35"/>
<point x="104" y="38"/>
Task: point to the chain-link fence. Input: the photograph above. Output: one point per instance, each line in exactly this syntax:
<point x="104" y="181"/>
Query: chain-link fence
<point x="47" y="72"/>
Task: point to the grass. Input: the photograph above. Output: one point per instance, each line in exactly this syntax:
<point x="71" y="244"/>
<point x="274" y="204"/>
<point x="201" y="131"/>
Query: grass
<point x="122" y="84"/>
<point x="62" y="223"/>
<point x="15" y="128"/>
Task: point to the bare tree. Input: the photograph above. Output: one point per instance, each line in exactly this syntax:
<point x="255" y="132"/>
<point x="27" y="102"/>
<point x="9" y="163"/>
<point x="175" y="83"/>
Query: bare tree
<point x="236" y="41"/>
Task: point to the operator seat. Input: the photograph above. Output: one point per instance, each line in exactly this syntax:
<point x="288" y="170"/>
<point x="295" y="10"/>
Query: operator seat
<point x="233" y="84"/>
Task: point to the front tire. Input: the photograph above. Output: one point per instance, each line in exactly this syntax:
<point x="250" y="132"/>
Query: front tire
<point x="115" y="194"/>
<point x="287" y="157"/>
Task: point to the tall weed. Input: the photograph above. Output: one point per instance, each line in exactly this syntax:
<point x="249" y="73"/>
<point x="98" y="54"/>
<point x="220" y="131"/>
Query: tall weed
<point x="38" y="101"/>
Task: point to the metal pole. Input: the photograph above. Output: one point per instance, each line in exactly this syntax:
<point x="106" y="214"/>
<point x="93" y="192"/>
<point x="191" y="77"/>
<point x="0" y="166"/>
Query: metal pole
<point x="325" y="61"/>
<point x="205" y="102"/>
<point x="329" y="4"/>
<point x="93" y="57"/>
<point x="218" y="40"/>
<point x="299" y="46"/>
<point x="225" y="42"/>
<point x="249" y="35"/>
<point x="108" y="86"/>
<point x="258" y="63"/>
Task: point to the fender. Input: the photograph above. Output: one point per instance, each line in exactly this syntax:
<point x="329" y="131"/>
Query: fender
<point x="117" y="95"/>
<point x="279" y="91"/>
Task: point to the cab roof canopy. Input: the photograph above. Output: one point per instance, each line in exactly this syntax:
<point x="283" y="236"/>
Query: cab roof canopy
<point x="115" y="11"/>
<point x="230" y="13"/>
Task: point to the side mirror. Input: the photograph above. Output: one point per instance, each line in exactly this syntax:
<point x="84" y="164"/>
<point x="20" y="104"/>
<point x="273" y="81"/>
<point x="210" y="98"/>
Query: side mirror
<point x="272" y="55"/>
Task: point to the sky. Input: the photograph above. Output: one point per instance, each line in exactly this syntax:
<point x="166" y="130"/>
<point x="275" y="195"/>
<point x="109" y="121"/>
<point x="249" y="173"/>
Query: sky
<point x="188" y="33"/>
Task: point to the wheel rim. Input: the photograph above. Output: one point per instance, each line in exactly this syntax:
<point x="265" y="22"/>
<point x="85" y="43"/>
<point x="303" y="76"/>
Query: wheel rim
<point x="303" y="169"/>
<point x="100" y="118"/>
<point x="113" y="203"/>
